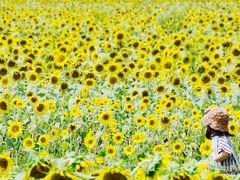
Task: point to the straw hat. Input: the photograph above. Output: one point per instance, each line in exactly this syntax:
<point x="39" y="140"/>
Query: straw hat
<point x="216" y="118"/>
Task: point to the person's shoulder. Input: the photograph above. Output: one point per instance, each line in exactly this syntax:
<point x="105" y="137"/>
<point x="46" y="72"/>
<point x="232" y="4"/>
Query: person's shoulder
<point x="223" y="138"/>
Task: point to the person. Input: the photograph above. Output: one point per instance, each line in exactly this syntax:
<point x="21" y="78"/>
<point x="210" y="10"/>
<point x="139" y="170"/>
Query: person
<point x="223" y="154"/>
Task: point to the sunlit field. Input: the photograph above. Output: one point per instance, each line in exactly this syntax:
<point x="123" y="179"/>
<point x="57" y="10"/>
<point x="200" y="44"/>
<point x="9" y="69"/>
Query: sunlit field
<point x="115" y="90"/>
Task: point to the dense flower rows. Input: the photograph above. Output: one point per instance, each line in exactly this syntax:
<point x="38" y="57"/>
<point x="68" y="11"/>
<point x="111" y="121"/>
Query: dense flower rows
<point x="115" y="90"/>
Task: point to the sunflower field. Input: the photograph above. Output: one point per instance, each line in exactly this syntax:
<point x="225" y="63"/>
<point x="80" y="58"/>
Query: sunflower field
<point x="115" y="90"/>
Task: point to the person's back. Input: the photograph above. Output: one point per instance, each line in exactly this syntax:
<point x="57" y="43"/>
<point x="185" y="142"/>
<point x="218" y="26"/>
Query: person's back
<point x="223" y="143"/>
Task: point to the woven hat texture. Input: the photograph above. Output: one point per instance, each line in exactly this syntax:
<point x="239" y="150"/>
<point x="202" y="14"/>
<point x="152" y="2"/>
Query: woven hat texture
<point x="216" y="118"/>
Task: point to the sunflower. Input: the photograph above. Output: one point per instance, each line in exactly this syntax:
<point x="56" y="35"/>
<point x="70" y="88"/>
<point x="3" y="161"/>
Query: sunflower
<point x="99" y="159"/>
<point x="139" y="120"/>
<point x="44" y="140"/>
<point x="4" y="108"/>
<point x="32" y="77"/>
<point x="233" y="128"/>
<point x="99" y="68"/>
<point x="54" y="79"/>
<point x="135" y="92"/>
<point x="106" y="116"/>
<point x="186" y="122"/>
<point x="64" y="133"/>
<point x="112" y="125"/>
<point x="168" y="105"/>
<point x="167" y="65"/>
<point x="28" y="143"/>
<point x="90" y="83"/>
<point x="205" y="80"/>
<point x="152" y="122"/>
<point x="138" y="137"/>
<point x="196" y="126"/>
<point x="158" y="148"/>
<point x="147" y="75"/>
<point x="112" y="79"/>
<point x="39" y="170"/>
<point x="60" y="175"/>
<point x="40" y="108"/>
<point x="118" y="137"/>
<point x="194" y="79"/>
<point x="6" y="164"/>
<point x="89" y="140"/>
<point x="17" y="103"/>
<point x="84" y="92"/>
<point x="6" y="82"/>
<point x="129" y="150"/>
<point x="173" y="117"/>
<point x="59" y="59"/>
<point x="164" y="120"/>
<point x="33" y="99"/>
<point x="181" y="175"/>
<point x="15" y="129"/>
<point x="217" y="175"/>
<point x="206" y="148"/>
<point x="177" y="147"/>
<point x="146" y="101"/>
<point x="140" y="174"/>
<point x="111" y="150"/>
<point x="119" y="35"/>
<point x="225" y="90"/>
<point x="72" y="127"/>
<point x="197" y="89"/>
<point x="114" y="173"/>
<point x="105" y="137"/>
<point x="187" y="103"/>
<point x="51" y="105"/>
<point x="113" y="68"/>
<point x="129" y="107"/>
<point x="75" y="111"/>
<point x="54" y="133"/>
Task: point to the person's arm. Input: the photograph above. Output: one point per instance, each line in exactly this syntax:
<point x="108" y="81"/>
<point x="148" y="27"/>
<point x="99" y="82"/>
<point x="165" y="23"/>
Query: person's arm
<point x="221" y="156"/>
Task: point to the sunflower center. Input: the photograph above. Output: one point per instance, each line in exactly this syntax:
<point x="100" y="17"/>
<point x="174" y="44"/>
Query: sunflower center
<point x="33" y="77"/>
<point x="29" y="143"/>
<point x="112" y="68"/>
<point x="207" y="148"/>
<point x="120" y="36"/>
<point x="15" y="128"/>
<point x="165" y="120"/>
<point x="54" y="80"/>
<point x="113" y="80"/>
<point x="147" y="75"/>
<point x="118" y="137"/>
<point x="89" y="83"/>
<point x="105" y="117"/>
<point x="90" y="141"/>
<point x="40" y="107"/>
<point x="58" y="176"/>
<point x="110" y="151"/>
<point x="99" y="67"/>
<point x="3" y="105"/>
<point x="39" y="171"/>
<point x="43" y="140"/>
<point x="61" y="59"/>
<point x="3" y="163"/>
<point x="168" y="65"/>
<point x="177" y="147"/>
<point x="160" y="88"/>
<point x="151" y="122"/>
<point x="115" y="176"/>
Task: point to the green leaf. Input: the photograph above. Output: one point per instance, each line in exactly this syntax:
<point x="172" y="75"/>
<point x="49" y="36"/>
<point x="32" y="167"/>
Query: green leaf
<point x="10" y="143"/>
